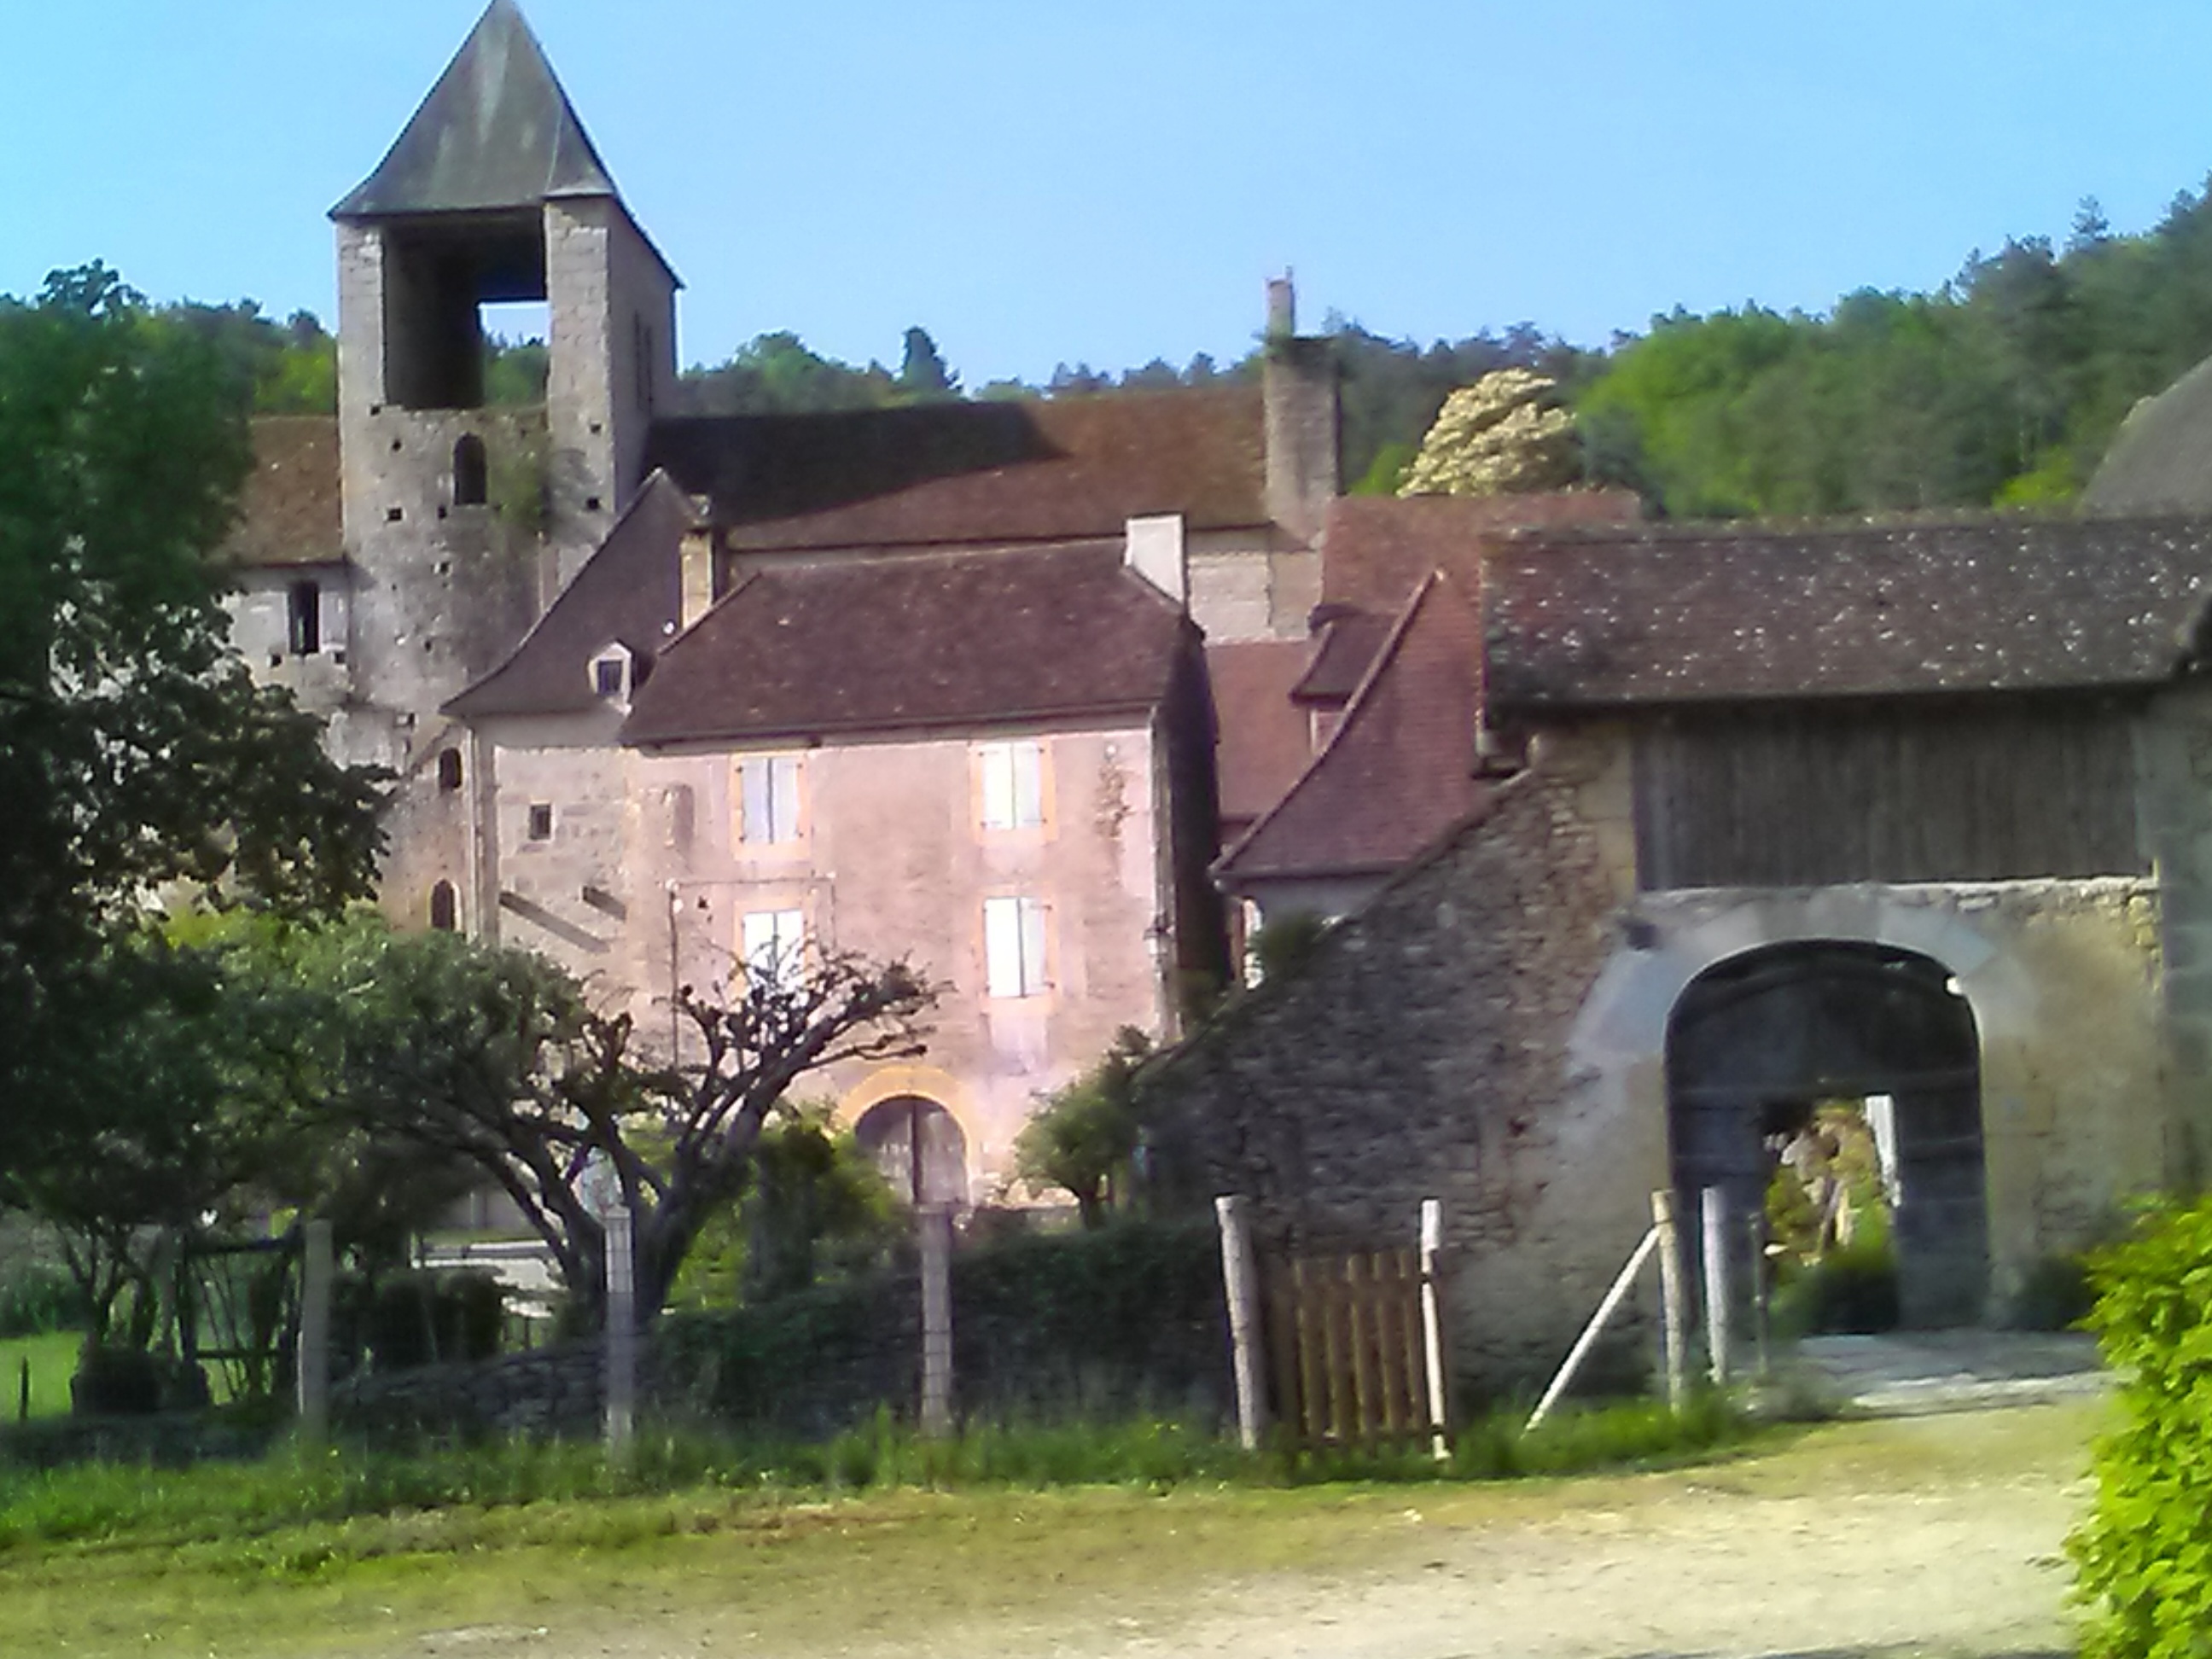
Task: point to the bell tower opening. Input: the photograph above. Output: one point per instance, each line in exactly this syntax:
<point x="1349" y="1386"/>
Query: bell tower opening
<point x="438" y="276"/>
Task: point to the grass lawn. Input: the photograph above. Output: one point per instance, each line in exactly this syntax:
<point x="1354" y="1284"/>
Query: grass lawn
<point x="53" y="1359"/>
<point x="725" y="1568"/>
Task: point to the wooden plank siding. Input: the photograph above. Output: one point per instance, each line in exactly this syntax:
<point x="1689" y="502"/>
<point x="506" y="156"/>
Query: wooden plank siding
<point x="1800" y="796"/>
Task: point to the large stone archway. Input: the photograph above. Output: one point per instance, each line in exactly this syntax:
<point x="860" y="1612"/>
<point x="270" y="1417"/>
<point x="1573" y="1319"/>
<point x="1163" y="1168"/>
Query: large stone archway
<point x="2061" y="981"/>
<point x="1761" y="1042"/>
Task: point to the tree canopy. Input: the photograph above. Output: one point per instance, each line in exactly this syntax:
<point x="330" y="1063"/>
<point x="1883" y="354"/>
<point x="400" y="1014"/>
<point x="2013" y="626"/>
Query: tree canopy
<point x="137" y="757"/>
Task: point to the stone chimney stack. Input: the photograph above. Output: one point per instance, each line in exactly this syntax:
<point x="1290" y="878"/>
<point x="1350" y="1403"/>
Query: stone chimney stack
<point x="1299" y="392"/>
<point x="1154" y="548"/>
<point x="697" y="586"/>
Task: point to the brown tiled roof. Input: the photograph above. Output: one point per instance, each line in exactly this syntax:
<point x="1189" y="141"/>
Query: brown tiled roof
<point x="1262" y="739"/>
<point x="925" y="641"/>
<point x="1399" y="770"/>
<point x="630" y="591"/>
<point x="1061" y="469"/>
<point x="1377" y="548"/>
<point x="1990" y="604"/>
<point x="288" y="512"/>
<point x="1341" y="655"/>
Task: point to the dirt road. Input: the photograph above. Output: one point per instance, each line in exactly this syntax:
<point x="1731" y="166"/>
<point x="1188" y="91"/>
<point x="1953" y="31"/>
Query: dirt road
<point x="1936" y="1535"/>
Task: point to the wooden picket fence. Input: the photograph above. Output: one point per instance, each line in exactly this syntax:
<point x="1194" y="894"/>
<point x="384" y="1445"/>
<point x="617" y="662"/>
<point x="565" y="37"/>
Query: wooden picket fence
<point x="1347" y="1350"/>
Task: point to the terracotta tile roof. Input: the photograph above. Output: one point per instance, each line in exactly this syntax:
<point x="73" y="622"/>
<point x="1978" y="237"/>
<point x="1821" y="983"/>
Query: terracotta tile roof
<point x="1990" y="604"/>
<point x="1376" y="548"/>
<point x="1262" y="739"/>
<point x="288" y="512"/>
<point x="1061" y="469"/>
<point x="630" y="591"/>
<point x="1399" y="770"/>
<point x="924" y="641"/>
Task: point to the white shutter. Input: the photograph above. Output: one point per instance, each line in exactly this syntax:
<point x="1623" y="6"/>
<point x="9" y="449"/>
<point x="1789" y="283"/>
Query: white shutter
<point x="1002" y="947"/>
<point x="1026" y="763"/>
<point x="1033" y="913"/>
<point x="997" y="764"/>
<point x="783" y="798"/>
<point x="753" y="780"/>
<point x="759" y="940"/>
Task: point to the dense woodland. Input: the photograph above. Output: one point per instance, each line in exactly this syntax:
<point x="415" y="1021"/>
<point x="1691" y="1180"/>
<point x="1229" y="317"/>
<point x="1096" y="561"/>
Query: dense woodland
<point x="2002" y="387"/>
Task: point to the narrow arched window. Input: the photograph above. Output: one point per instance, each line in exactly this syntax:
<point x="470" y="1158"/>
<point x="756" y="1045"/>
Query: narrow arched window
<point x="469" y="479"/>
<point x="445" y="907"/>
<point x="449" y="770"/>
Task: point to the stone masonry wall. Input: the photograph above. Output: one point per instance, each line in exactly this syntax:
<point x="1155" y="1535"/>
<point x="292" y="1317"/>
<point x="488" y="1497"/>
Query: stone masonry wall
<point x="1422" y="1054"/>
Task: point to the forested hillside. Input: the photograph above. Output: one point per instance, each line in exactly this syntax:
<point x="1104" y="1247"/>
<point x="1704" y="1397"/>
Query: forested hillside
<point x="2002" y="387"/>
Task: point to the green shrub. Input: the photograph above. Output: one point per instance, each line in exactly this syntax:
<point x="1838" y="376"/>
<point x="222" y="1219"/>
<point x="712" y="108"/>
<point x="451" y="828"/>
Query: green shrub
<point x="427" y="1318"/>
<point x="2144" y="1555"/>
<point x="1851" y="1288"/>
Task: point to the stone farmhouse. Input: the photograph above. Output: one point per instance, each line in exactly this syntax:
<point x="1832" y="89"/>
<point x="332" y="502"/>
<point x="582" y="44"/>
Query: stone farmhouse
<point x="669" y="695"/>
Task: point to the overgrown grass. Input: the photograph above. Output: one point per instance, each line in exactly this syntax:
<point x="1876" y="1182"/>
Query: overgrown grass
<point x="53" y="1359"/>
<point x="470" y="1496"/>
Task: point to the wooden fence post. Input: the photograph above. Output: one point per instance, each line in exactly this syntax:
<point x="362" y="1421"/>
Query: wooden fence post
<point x="311" y="1361"/>
<point x="1713" y="1217"/>
<point x="1240" y="1279"/>
<point x="1432" y="1325"/>
<point x="618" y="1246"/>
<point x="1673" y="1312"/>
<point x="934" y="1224"/>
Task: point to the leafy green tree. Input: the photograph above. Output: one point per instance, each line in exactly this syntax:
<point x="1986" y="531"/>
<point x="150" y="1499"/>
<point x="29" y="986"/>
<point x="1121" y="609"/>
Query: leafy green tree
<point x="1083" y="1138"/>
<point x="137" y="757"/>
<point x="922" y="376"/>
<point x="495" y="1057"/>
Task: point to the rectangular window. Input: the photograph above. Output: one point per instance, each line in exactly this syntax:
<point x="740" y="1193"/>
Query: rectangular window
<point x="303" y="618"/>
<point x="1013" y="947"/>
<point x="607" y="673"/>
<point x="541" y="821"/>
<point x="769" y="801"/>
<point x="773" y="943"/>
<point x="1012" y="779"/>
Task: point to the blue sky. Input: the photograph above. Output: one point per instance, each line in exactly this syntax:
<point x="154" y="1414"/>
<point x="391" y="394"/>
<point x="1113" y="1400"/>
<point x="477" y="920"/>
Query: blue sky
<point x="1036" y="182"/>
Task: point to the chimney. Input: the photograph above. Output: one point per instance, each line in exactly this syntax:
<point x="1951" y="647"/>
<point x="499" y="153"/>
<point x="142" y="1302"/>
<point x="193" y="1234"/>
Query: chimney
<point x="697" y="565"/>
<point x="1298" y="394"/>
<point x="1154" y="549"/>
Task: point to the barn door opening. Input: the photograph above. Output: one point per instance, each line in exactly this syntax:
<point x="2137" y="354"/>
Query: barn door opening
<point x="918" y="1145"/>
<point x="1852" y="1072"/>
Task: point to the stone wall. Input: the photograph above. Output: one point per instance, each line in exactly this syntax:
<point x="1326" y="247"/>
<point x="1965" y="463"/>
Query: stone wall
<point x="1422" y="1053"/>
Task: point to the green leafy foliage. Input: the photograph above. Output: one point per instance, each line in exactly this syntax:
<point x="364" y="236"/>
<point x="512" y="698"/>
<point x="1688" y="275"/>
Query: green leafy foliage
<point x="2143" y="1556"/>
<point x="813" y="1205"/>
<point x="1083" y="1138"/>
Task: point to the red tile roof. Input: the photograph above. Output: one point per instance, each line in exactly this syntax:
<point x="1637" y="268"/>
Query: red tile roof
<point x="1376" y="548"/>
<point x="629" y="592"/>
<point x="1399" y="769"/>
<point x="1262" y="739"/>
<point x="288" y="512"/>
<point x="1762" y="613"/>
<point x="921" y="640"/>
<point x="1060" y="469"/>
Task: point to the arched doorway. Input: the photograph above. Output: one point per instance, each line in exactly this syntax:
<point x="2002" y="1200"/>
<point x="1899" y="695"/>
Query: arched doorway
<point x="1765" y="1047"/>
<point x="918" y="1145"/>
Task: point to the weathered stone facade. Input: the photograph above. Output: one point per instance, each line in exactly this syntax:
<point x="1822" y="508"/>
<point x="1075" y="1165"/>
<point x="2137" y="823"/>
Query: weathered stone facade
<point x="1424" y="1053"/>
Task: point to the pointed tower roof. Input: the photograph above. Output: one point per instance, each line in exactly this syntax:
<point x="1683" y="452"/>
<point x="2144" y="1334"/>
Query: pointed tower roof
<point x="497" y="131"/>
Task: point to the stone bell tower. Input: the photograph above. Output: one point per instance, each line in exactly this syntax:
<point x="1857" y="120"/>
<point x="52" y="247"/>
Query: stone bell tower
<point x="462" y="521"/>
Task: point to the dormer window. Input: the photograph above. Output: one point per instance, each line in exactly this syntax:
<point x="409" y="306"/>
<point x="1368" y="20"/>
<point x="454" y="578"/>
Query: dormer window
<point x="610" y="674"/>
